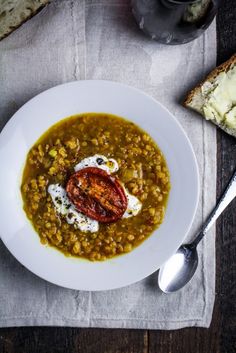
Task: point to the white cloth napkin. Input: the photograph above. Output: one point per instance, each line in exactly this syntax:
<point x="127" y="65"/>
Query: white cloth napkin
<point x="95" y="39"/>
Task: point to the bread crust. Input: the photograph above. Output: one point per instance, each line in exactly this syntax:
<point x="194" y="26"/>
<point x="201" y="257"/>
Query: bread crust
<point x="32" y="13"/>
<point x="210" y="78"/>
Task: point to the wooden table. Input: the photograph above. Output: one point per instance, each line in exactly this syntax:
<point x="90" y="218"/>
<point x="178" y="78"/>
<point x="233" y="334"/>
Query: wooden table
<point x="221" y="336"/>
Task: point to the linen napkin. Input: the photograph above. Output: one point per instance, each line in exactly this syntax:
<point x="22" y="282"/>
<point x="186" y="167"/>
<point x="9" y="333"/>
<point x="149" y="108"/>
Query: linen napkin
<point x="95" y="39"/>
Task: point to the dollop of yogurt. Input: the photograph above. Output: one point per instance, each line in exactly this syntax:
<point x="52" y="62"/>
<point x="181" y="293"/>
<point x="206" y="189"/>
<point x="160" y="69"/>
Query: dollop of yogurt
<point x="99" y="161"/>
<point x="64" y="207"/>
<point x="134" y="205"/>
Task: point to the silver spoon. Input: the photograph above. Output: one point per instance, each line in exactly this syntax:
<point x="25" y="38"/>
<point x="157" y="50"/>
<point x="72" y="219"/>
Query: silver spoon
<point x="180" y="268"/>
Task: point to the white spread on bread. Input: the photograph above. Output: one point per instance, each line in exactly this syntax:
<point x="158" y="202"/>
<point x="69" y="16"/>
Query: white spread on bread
<point x="220" y="98"/>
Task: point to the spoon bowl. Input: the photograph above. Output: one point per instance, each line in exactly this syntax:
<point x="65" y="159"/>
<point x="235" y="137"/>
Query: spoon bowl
<point x="179" y="269"/>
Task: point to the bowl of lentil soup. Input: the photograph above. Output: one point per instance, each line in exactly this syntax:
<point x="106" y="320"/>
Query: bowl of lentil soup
<point x="95" y="196"/>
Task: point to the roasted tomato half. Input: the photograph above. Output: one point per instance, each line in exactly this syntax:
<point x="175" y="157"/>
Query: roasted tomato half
<point x="97" y="194"/>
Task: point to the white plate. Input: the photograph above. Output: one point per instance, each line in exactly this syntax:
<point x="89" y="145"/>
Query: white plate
<point x="28" y="124"/>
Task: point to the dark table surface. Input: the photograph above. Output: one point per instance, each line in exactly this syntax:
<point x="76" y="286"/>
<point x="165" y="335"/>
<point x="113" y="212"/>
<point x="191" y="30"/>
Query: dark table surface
<point x="221" y="336"/>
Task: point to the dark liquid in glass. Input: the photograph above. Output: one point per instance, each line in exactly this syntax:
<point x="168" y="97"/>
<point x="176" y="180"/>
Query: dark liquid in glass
<point x="174" y="21"/>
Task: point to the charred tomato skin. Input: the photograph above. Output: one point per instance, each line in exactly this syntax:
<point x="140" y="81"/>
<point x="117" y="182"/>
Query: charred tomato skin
<point x="97" y="194"/>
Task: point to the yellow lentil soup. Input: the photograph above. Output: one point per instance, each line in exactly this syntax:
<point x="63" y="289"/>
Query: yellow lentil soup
<point x="142" y="171"/>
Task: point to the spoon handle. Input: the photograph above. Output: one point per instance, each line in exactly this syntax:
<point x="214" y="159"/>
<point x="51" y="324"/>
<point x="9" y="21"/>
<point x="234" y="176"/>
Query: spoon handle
<point x="228" y="195"/>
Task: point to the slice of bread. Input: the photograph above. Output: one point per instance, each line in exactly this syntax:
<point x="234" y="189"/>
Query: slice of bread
<point x="196" y="98"/>
<point x="13" y="13"/>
